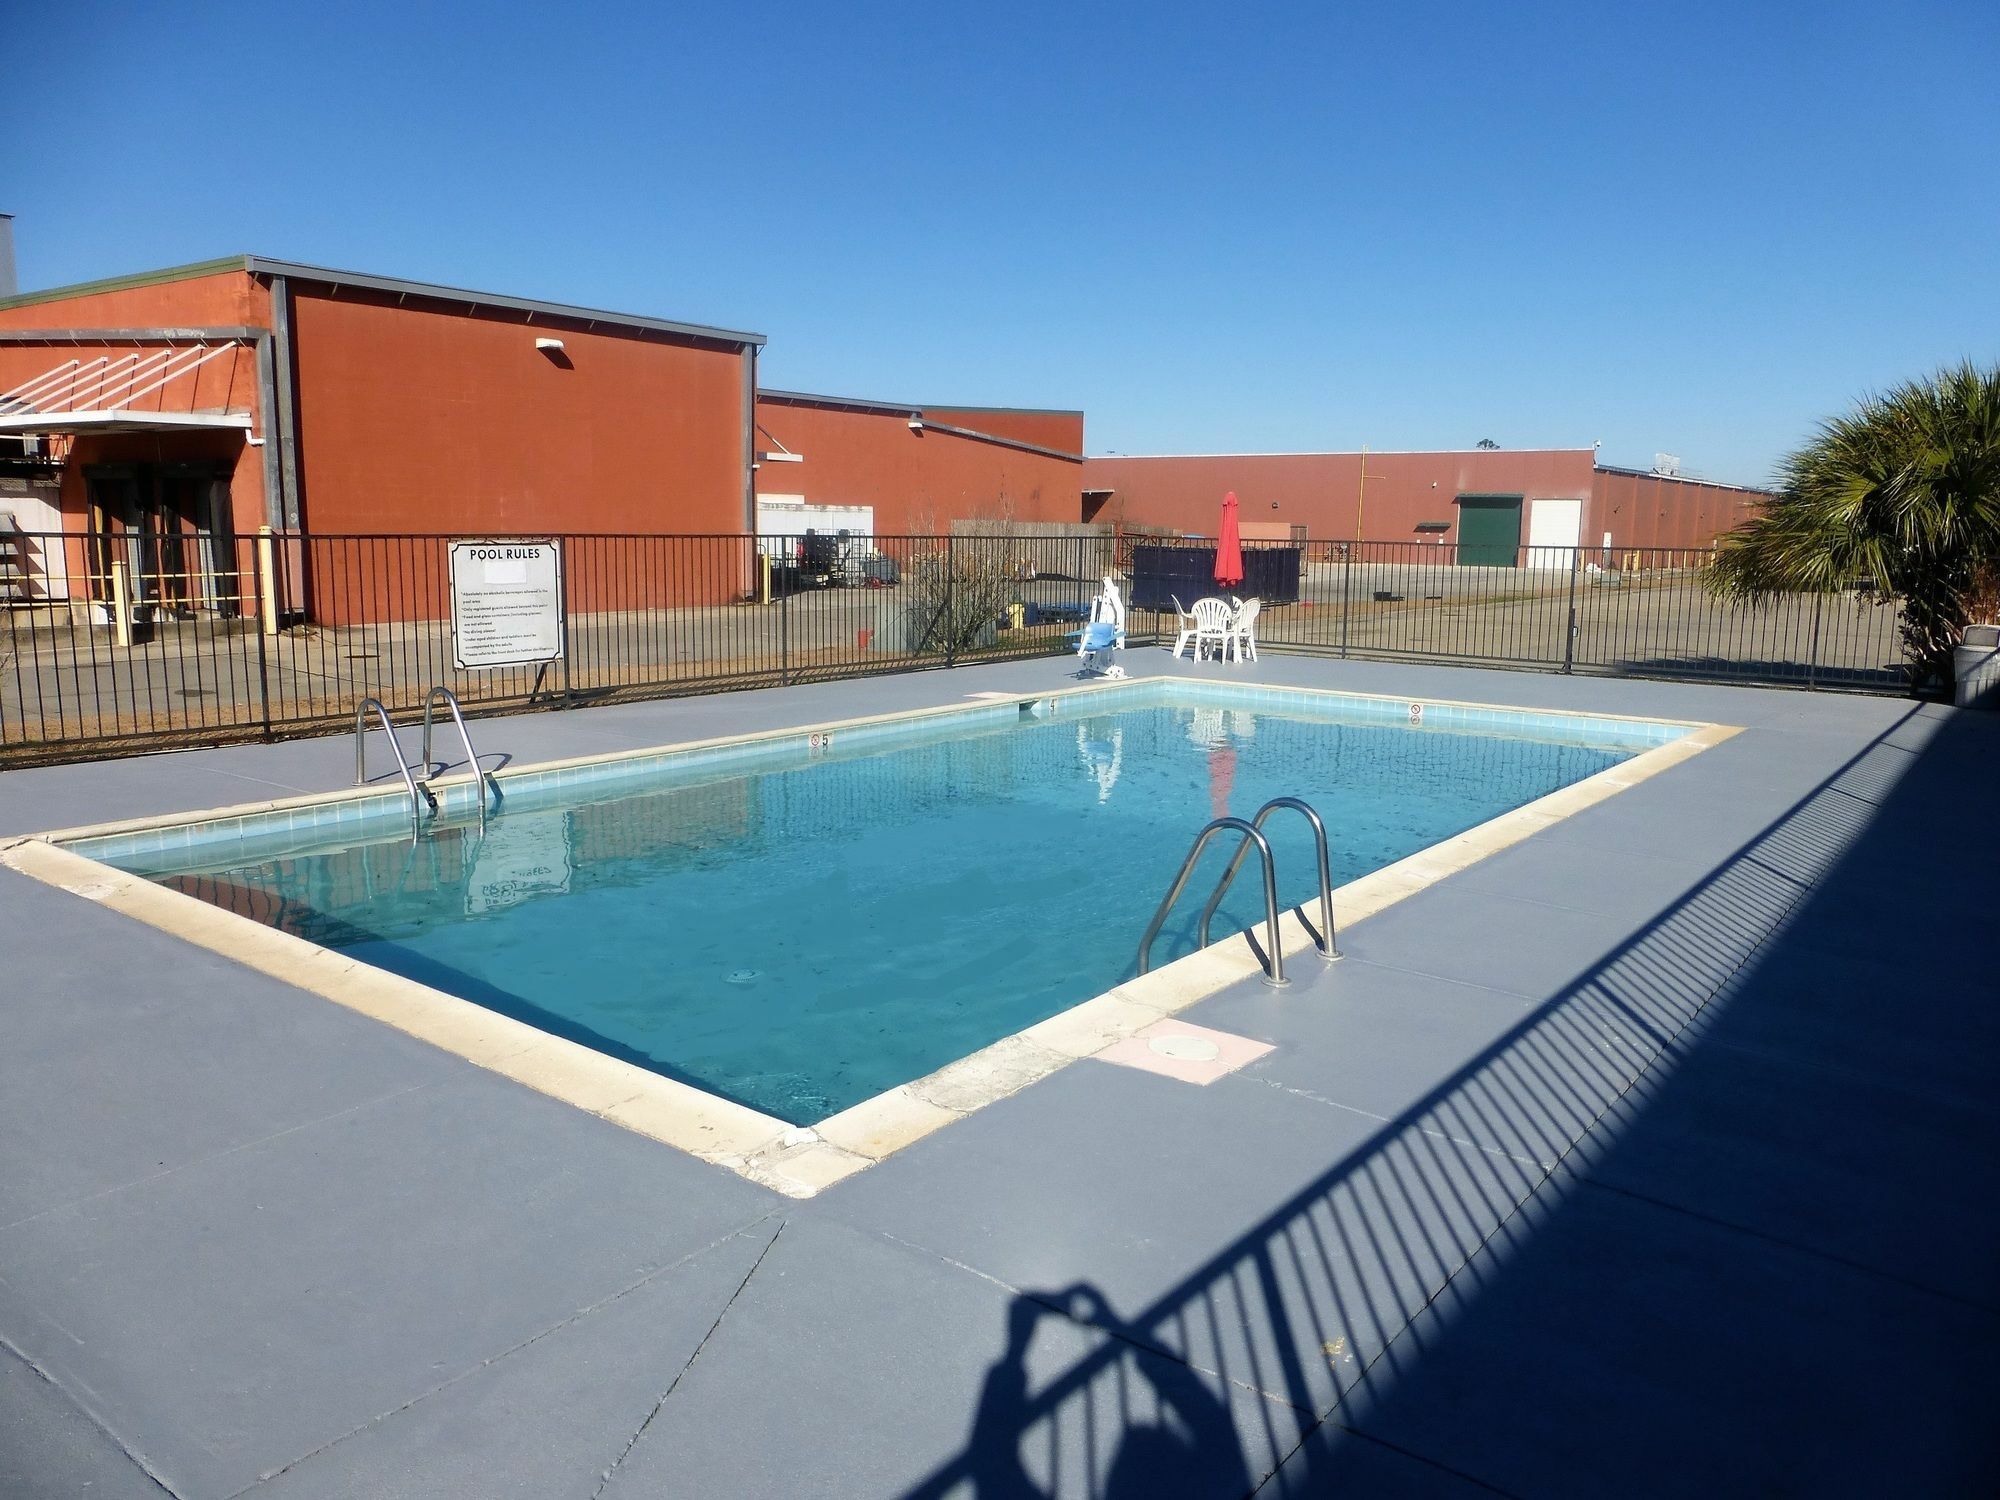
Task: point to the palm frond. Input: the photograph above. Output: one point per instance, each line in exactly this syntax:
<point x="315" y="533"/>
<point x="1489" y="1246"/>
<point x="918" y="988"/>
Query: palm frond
<point x="1902" y="495"/>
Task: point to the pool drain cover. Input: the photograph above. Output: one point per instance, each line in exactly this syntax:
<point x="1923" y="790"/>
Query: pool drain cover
<point x="1185" y="1048"/>
<point x="743" y="976"/>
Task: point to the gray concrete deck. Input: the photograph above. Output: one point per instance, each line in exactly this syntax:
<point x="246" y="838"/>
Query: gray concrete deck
<point x="1654" y="1155"/>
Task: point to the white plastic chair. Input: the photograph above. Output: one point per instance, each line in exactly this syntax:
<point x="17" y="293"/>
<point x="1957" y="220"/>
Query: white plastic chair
<point x="1207" y="623"/>
<point x="1243" y="628"/>
<point x="1183" y="625"/>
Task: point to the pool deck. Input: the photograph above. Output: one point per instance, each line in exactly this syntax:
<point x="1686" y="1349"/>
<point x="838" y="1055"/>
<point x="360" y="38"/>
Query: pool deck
<point x="1655" y="1154"/>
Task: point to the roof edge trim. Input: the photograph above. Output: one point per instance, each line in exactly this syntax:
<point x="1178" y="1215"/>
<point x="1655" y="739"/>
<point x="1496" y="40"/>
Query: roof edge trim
<point x="258" y="265"/>
<point x="1352" y="453"/>
<point x="126" y="283"/>
<point x="236" y="334"/>
<point x="897" y="409"/>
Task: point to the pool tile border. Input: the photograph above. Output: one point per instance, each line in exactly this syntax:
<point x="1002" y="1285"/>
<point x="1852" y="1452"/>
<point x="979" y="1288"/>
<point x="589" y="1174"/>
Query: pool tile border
<point x="360" y="809"/>
<point x="799" y="1161"/>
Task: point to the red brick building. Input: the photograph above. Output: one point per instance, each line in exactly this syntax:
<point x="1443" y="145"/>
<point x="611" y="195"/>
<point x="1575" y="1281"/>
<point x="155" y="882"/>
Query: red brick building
<point x="336" y="402"/>
<point x="1486" y="503"/>
<point x="167" y="410"/>
<point x="910" y="468"/>
<point x="175" y="407"/>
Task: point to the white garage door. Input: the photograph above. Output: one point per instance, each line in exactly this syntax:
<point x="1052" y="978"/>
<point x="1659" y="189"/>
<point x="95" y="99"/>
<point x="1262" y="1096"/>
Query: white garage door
<point x="1555" y="527"/>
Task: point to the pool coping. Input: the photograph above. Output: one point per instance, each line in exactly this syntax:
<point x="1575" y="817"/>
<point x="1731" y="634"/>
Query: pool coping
<point x="800" y="1161"/>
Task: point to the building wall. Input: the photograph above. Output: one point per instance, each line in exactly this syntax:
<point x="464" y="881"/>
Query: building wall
<point x="1324" y="493"/>
<point x="1649" y="510"/>
<point x="227" y="298"/>
<point x="433" y="419"/>
<point x="914" y="480"/>
<point x="1060" y="430"/>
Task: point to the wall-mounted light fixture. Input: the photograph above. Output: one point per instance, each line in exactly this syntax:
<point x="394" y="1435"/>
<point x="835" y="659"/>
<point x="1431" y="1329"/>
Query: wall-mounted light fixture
<point x="549" y="346"/>
<point x="916" y="424"/>
<point x="781" y="458"/>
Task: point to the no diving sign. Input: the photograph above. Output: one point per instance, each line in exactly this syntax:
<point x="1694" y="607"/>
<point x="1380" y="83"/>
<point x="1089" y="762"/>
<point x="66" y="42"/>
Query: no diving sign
<point x="506" y="603"/>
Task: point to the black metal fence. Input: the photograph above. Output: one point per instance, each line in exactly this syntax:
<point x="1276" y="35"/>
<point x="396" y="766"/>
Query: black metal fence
<point x="132" y="640"/>
<point x="1622" y="612"/>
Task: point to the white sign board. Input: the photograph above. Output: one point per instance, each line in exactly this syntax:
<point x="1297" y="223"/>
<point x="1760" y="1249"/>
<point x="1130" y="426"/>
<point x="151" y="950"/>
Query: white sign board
<point x="506" y="603"/>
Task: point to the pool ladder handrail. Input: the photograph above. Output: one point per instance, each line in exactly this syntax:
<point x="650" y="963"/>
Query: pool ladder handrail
<point x="419" y="789"/>
<point x="1274" y="963"/>
<point x="1327" y="944"/>
<point x="486" y="783"/>
<point x="1253" y="836"/>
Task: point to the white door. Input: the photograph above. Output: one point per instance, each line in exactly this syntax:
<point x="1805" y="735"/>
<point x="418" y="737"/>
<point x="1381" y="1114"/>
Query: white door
<point x="1555" y="528"/>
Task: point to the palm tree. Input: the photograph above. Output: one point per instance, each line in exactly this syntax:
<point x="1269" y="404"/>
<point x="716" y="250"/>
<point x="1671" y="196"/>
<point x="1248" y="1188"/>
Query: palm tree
<point x="1900" y="496"/>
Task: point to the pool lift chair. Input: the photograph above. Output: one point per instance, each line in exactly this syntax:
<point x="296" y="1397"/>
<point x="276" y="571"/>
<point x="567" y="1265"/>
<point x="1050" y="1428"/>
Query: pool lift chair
<point x="1103" y="633"/>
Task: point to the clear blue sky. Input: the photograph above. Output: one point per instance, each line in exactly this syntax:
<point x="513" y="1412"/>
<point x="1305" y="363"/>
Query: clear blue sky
<point x="1693" y="227"/>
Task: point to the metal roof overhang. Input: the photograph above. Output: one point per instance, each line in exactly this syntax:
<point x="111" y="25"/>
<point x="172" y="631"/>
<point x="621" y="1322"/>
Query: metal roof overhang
<point x="77" y="423"/>
<point x="258" y="265"/>
<point x="107" y="394"/>
<point x="590" y="317"/>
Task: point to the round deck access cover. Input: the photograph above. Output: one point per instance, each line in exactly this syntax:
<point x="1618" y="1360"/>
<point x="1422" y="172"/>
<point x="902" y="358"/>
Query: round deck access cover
<point x="1185" y="1048"/>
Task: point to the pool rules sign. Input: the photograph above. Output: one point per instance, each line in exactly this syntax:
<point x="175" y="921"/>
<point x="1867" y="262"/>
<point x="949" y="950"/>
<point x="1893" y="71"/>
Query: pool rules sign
<point x="506" y="603"/>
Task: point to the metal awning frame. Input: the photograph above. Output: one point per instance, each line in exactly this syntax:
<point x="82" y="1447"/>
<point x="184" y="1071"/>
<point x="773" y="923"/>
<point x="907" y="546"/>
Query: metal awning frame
<point x="101" y="394"/>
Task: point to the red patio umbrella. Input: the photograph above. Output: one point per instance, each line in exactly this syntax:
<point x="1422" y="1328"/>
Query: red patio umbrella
<point x="1229" y="546"/>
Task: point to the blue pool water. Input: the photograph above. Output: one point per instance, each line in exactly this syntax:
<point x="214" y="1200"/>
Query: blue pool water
<point x="802" y="935"/>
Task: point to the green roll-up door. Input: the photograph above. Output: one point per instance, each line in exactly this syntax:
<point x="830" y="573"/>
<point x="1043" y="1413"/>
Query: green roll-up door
<point x="1489" y="531"/>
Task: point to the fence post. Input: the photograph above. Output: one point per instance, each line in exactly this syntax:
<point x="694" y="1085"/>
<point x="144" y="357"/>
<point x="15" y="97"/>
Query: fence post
<point x="1569" y="636"/>
<point x="1346" y="578"/>
<point x="1812" y="657"/>
<point x="257" y="578"/>
<point x="121" y="603"/>
<point x="950" y="591"/>
<point x="562" y="615"/>
<point x="785" y="624"/>
<point x="267" y="591"/>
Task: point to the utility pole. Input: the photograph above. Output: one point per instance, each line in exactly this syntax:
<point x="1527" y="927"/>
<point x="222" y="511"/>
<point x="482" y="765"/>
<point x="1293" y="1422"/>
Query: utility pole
<point x="1361" y="495"/>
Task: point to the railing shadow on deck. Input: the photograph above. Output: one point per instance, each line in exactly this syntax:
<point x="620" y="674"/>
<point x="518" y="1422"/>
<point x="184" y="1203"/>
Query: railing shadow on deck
<point x="1307" y="1306"/>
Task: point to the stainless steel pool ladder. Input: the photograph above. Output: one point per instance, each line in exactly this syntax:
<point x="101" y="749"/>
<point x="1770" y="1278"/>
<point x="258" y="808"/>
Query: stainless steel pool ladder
<point x="420" y="792"/>
<point x="419" y="784"/>
<point x="486" y="783"/>
<point x="1253" y="837"/>
<point x="1328" y="949"/>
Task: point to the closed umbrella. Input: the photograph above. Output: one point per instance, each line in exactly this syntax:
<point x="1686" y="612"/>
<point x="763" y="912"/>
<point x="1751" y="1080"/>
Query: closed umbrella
<point x="1229" y="546"/>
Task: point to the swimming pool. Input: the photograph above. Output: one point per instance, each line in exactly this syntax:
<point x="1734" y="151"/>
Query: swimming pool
<point x="805" y="921"/>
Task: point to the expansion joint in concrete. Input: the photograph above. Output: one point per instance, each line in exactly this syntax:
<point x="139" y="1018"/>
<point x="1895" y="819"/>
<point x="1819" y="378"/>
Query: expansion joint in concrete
<point x="138" y="1459"/>
<point x="688" y="1364"/>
